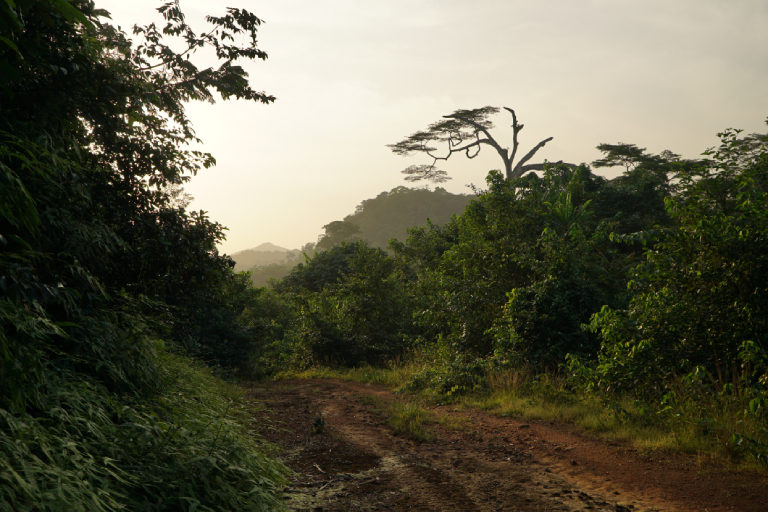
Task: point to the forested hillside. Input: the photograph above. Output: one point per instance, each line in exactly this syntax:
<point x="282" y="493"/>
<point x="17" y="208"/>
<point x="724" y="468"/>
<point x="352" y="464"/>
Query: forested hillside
<point x="108" y="285"/>
<point x="262" y="255"/>
<point x="390" y="214"/>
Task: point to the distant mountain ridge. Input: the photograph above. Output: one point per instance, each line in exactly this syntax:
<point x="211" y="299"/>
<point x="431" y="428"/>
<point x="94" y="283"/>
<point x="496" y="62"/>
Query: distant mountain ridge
<point x="267" y="247"/>
<point x="375" y="220"/>
<point x="263" y="254"/>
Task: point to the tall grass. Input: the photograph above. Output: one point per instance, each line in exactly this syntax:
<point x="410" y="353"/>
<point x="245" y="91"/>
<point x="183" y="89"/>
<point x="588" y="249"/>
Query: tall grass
<point x="185" y="448"/>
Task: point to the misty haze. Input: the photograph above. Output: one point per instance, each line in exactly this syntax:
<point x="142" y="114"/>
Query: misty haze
<point x="342" y="255"/>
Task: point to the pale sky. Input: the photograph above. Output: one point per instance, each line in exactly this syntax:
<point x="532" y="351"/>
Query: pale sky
<point x="351" y="76"/>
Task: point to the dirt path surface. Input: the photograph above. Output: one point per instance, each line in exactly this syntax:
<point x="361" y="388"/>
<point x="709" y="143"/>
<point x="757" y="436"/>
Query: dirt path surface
<point x="347" y="458"/>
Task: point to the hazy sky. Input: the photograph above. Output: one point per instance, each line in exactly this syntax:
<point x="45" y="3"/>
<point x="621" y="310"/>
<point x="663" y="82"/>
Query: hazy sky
<point x="351" y="76"/>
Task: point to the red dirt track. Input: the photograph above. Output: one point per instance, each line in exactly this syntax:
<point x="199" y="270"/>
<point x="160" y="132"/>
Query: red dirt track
<point x="352" y="461"/>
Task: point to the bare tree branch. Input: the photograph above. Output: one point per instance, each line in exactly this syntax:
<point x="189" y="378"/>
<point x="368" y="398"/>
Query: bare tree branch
<point x="517" y="170"/>
<point x="516" y="128"/>
<point x="454" y="133"/>
<point x="481" y="128"/>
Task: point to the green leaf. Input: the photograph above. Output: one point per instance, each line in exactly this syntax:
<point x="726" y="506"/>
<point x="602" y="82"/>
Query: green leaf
<point x="11" y="45"/>
<point x="71" y="13"/>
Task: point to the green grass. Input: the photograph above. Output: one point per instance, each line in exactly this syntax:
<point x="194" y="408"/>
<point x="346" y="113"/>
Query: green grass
<point x="546" y="398"/>
<point x="703" y="424"/>
<point x="186" y="446"/>
<point x="699" y="423"/>
<point x="586" y="412"/>
<point x="406" y="417"/>
<point x="394" y="376"/>
<point x="410" y="417"/>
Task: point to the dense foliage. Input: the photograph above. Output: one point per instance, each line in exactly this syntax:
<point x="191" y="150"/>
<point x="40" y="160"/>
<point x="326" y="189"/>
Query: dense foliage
<point x="351" y="306"/>
<point x="699" y="299"/>
<point x="104" y="276"/>
<point x="649" y="284"/>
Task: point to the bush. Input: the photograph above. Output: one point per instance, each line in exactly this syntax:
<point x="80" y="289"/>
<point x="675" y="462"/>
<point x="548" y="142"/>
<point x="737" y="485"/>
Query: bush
<point x="360" y="316"/>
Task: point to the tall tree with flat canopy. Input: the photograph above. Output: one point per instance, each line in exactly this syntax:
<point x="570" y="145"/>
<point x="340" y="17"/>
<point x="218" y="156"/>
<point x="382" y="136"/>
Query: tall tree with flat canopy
<point x="465" y="131"/>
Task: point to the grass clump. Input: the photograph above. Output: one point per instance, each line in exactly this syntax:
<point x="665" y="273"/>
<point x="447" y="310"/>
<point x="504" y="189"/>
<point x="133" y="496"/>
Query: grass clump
<point x="412" y="420"/>
<point x="406" y="417"/>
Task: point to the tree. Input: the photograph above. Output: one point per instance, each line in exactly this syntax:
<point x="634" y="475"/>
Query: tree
<point x="699" y="300"/>
<point x="630" y="156"/>
<point x="465" y="131"/>
<point x="100" y="270"/>
<point x="634" y="201"/>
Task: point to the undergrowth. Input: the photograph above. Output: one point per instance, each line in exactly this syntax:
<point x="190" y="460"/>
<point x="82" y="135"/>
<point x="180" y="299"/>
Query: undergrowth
<point x="409" y="416"/>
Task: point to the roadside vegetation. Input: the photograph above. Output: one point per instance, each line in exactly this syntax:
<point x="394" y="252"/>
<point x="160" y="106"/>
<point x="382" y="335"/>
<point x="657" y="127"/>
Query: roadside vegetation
<point x="705" y="426"/>
<point x="634" y="307"/>
<point x="376" y="221"/>
<point x="112" y="293"/>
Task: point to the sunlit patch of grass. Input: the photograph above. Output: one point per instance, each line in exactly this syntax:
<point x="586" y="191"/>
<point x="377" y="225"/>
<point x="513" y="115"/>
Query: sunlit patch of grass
<point x="411" y="419"/>
<point x="363" y="374"/>
<point x="394" y="375"/>
<point x="520" y="394"/>
<point x="410" y="416"/>
<point x="702" y="425"/>
<point x="530" y="406"/>
<point x="406" y="417"/>
<point x="454" y="421"/>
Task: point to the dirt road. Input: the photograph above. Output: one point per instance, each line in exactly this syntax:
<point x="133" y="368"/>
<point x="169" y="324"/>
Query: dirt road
<point x="346" y="458"/>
